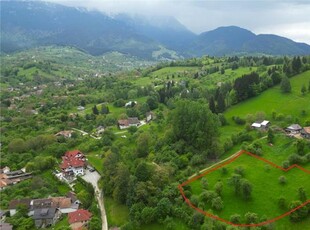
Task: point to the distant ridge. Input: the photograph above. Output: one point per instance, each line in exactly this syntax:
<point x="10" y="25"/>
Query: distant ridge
<point x="28" y="24"/>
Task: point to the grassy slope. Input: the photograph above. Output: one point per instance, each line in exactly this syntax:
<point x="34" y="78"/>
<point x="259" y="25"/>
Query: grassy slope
<point x="272" y="100"/>
<point x="266" y="188"/>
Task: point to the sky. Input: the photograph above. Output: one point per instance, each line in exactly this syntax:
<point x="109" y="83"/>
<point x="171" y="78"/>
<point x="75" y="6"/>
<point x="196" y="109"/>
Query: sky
<point x="288" y="18"/>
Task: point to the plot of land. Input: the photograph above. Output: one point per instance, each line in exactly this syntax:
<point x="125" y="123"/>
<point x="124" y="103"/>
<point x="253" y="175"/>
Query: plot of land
<point x="266" y="189"/>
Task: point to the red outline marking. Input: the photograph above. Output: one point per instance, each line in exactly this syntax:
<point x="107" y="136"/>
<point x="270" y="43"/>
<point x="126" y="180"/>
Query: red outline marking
<point x="180" y="187"/>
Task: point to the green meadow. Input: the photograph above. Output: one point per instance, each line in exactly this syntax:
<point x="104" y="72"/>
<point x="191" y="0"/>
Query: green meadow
<point x="266" y="189"/>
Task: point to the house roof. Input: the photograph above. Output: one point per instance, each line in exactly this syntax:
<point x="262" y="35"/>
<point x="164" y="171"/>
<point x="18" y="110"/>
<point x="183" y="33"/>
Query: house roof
<point x="133" y="120"/>
<point x="41" y="203"/>
<point x="294" y="127"/>
<point x="14" y="203"/>
<point x="44" y="213"/>
<point x="72" y="196"/>
<point x="265" y="122"/>
<point x="61" y="202"/>
<point x="5" y="226"/>
<point x="256" y="125"/>
<point x="123" y="122"/>
<point x="307" y="130"/>
<point x="74" y="159"/>
<point x="79" y="216"/>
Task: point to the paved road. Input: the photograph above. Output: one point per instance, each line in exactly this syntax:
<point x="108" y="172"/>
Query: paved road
<point x="93" y="178"/>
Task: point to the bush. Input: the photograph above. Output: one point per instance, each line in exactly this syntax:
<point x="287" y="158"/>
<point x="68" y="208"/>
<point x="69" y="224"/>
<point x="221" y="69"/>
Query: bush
<point x="282" y="180"/>
<point x="238" y="120"/>
<point x="282" y="203"/>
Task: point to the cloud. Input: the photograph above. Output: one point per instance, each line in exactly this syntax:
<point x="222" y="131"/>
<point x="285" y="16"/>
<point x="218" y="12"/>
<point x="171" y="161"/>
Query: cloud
<point x="288" y="18"/>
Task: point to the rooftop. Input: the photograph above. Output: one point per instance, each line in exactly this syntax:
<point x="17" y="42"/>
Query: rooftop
<point x="79" y="216"/>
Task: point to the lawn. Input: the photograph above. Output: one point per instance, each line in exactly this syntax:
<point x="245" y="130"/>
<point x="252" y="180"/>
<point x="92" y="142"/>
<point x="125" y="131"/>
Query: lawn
<point x="273" y="100"/>
<point x="117" y="214"/>
<point x="266" y="188"/>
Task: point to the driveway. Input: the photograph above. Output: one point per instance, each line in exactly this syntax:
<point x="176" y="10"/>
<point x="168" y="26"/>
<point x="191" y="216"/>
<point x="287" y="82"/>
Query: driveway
<point x="93" y="178"/>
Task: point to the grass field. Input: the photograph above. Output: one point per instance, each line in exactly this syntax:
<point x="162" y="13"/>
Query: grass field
<point x="266" y="188"/>
<point x="117" y="214"/>
<point x="273" y="100"/>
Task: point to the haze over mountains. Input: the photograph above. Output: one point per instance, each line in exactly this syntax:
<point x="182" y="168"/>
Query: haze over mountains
<point x="30" y="24"/>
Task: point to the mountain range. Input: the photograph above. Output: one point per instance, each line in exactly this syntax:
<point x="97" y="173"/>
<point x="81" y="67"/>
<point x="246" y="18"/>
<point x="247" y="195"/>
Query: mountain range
<point x="28" y="24"/>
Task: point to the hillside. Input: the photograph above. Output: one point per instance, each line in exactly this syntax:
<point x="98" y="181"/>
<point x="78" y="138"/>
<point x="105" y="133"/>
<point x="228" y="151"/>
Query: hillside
<point x="28" y="24"/>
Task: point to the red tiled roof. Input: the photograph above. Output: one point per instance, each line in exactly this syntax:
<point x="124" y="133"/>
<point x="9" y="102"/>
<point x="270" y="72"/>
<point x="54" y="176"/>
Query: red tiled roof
<point x="79" y="216"/>
<point x="71" y="159"/>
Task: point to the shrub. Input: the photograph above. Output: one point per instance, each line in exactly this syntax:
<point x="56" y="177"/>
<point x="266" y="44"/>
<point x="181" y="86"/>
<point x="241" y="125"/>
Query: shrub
<point x="282" y="180"/>
<point x="235" y="218"/>
<point x="282" y="202"/>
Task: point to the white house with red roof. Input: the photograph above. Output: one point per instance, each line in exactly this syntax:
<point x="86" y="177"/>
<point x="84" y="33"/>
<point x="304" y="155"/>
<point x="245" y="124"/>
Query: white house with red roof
<point x="79" y="219"/>
<point x="73" y="163"/>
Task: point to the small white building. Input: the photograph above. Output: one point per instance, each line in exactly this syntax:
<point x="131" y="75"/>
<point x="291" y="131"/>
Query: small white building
<point x="261" y="125"/>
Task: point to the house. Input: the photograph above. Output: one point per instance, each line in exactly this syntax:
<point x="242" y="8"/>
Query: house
<point x="149" y="116"/>
<point x="261" y="125"/>
<point x="126" y="123"/>
<point x="64" y="133"/>
<point x="80" y="108"/>
<point x="294" y="129"/>
<point x="6" y="226"/>
<point x="79" y="218"/>
<point x="73" y="163"/>
<point x="130" y="104"/>
<point x="11" y="178"/>
<point x="73" y="197"/>
<point x="305" y="132"/>
<point x="99" y="130"/>
<point x="45" y="217"/>
<point x="15" y="203"/>
<point x="64" y="204"/>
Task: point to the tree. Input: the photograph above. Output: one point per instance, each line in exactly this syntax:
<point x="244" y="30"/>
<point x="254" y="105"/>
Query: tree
<point x="143" y="172"/>
<point x="195" y="124"/>
<point x="235" y="180"/>
<point x="282" y="180"/>
<point x="251" y="218"/>
<point x="212" y="105"/>
<point x="282" y="203"/>
<point x="217" y="203"/>
<point x="104" y="109"/>
<point x="285" y="85"/>
<point x="220" y="103"/>
<point x="95" y="110"/>
<point x="246" y="189"/>
<point x="302" y="194"/>
<point x="300" y="213"/>
<point x="303" y="89"/>
<point x="121" y="183"/>
<point x="235" y="218"/>
<point x="143" y="142"/>
<point x="270" y="136"/>
<point x="218" y="187"/>
<point x="296" y="64"/>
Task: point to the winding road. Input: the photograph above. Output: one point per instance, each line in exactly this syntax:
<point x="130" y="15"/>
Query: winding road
<point x="93" y="178"/>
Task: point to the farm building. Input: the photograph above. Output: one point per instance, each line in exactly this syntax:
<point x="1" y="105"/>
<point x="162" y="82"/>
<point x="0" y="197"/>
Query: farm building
<point x="305" y="132"/>
<point x="126" y="123"/>
<point x="294" y="129"/>
<point x="261" y="125"/>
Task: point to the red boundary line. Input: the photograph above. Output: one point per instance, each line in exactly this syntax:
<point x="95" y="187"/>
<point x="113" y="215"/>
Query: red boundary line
<point x="180" y="187"/>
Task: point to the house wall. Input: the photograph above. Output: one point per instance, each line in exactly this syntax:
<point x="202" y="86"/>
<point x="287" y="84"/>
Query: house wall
<point x="78" y="171"/>
<point x="68" y="210"/>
